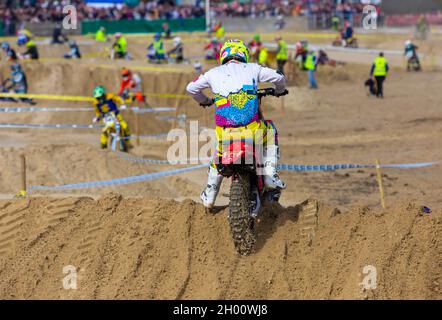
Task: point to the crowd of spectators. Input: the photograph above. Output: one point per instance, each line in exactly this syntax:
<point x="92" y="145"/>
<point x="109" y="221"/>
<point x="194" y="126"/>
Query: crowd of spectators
<point x="12" y="12"/>
<point x="260" y="8"/>
<point x="52" y="10"/>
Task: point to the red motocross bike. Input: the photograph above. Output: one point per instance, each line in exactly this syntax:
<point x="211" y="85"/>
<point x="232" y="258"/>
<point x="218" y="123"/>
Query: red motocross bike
<point x="241" y="161"/>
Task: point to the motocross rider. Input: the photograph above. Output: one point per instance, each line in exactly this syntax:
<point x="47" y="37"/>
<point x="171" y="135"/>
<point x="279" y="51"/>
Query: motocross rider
<point x="105" y="103"/>
<point x="410" y="52"/>
<point x="130" y="86"/>
<point x="234" y="84"/>
<point x="74" y="51"/>
<point x="10" y="53"/>
<point x="177" y="51"/>
<point x="120" y="47"/>
<point x="347" y="34"/>
<point x="31" y="49"/>
<point x="213" y="48"/>
<point x="17" y="83"/>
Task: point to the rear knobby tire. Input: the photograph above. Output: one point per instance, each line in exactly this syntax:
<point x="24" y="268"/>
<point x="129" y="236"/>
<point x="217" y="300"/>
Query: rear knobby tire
<point x="241" y="223"/>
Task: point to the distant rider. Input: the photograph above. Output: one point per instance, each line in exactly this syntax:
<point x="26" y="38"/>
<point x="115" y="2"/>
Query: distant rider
<point x="17" y="83"/>
<point x="347" y="34"/>
<point x="213" y="48"/>
<point x="235" y="84"/>
<point x="177" y="52"/>
<point x="411" y="53"/>
<point x="105" y="103"/>
<point x="74" y="52"/>
<point x="31" y="49"/>
<point x="130" y="86"/>
<point x="10" y="53"/>
<point x="119" y="48"/>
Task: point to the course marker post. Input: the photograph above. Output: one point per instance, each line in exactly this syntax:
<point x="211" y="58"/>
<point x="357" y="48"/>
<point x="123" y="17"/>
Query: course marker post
<point x="381" y="186"/>
<point x="137" y="128"/>
<point x="23" y="189"/>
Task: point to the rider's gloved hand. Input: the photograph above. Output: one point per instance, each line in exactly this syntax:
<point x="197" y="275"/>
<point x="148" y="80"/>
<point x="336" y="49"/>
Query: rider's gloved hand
<point x="123" y="107"/>
<point x="207" y="103"/>
<point x="282" y="93"/>
<point x="95" y="119"/>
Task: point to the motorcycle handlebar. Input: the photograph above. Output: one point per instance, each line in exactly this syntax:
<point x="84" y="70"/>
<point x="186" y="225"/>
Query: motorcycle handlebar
<point x="270" y="92"/>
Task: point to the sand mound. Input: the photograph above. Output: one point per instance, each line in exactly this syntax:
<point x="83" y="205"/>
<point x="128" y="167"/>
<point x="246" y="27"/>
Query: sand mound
<point x="154" y="248"/>
<point x="67" y="162"/>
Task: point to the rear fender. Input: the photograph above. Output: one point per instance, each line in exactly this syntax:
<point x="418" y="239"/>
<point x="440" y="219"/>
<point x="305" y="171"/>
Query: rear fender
<point x="238" y="152"/>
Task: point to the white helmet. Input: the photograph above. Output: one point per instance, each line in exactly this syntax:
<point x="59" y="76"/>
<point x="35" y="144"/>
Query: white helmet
<point x="177" y="40"/>
<point x="408" y="42"/>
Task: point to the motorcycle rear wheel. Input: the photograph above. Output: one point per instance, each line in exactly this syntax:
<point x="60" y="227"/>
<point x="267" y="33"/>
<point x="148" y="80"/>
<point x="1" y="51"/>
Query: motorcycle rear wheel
<point x="241" y="223"/>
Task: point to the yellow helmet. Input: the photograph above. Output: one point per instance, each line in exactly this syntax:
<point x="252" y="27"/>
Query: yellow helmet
<point x="234" y="49"/>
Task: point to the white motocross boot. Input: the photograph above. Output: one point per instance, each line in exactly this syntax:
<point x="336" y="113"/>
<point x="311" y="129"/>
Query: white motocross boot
<point x="208" y="196"/>
<point x="271" y="178"/>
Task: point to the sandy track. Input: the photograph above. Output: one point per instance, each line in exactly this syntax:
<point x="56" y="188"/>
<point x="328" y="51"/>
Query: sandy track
<point x="151" y="248"/>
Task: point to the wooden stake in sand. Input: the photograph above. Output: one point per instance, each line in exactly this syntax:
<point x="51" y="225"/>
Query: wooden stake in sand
<point x="23" y="173"/>
<point x="23" y="192"/>
<point x="137" y="128"/>
<point x="381" y="186"/>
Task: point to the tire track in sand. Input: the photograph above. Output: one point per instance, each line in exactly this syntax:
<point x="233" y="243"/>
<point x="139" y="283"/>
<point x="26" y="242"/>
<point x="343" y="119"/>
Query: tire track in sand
<point x="309" y="220"/>
<point x="10" y="222"/>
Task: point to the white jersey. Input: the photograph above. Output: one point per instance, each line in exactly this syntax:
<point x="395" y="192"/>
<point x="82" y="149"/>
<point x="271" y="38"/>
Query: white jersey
<point x="234" y="85"/>
<point x="136" y="83"/>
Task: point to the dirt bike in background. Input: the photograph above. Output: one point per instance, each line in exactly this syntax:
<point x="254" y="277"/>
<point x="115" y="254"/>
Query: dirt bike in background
<point x="247" y="190"/>
<point x="134" y="98"/>
<point x="116" y="138"/>
<point x="413" y="62"/>
<point x="114" y="53"/>
<point x="349" y="43"/>
<point x="7" y="87"/>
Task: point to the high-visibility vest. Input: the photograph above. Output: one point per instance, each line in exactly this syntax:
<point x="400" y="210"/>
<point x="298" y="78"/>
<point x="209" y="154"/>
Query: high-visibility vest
<point x="100" y="36"/>
<point x="122" y="45"/>
<point x="283" y="51"/>
<point x="159" y="47"/>
<point x="220" y="33"/>
<point x="263" y="56"/>
<point x="30" y="43"/>
<point x="380" y="67"/>
<point x="310" y="62"/>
